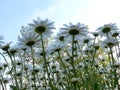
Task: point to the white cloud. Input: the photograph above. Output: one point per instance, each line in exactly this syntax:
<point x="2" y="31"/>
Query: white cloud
<point x="102" y="12"/>
<point x="42" y="14"/>
<point x="94" y="13"/>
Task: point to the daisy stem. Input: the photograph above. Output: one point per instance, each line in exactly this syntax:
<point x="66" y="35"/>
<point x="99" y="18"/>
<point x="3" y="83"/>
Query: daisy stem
<point x="44" y="56"/>
<point x="2" y="85"/>
<point x="72" y="61"/>
<point x="8" y="65"/>
<point x="110" y="47"/>
<point x="14" y="67"/>
<point x="68" y="80"/>
<point x="4" y="58"/>
<point x="33" y="67"/>
<point x="109" y="60"/>
<point x="27" y="77"/>
<point x="80" y="50"/>
<point x="111" y="52"/>
<point x="93" y="54"/>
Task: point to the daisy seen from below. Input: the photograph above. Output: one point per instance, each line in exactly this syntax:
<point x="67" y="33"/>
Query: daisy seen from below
<point x="107" y="29"/>
<point x="5" y="46"/>
<point x="74" y="33"/>
<point x="78" y="30"/>
<point x="60" y="39"/>
<point x="28" y="39"/>
<point x="116" y="34"/>
<point x="110" y="42"/>
<point x="42" y="27"/>
<point x="13" y="49"/>
<point x="55" y="47"/>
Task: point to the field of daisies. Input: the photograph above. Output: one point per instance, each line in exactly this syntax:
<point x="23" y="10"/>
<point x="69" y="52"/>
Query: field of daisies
<point x="72" y="59"/>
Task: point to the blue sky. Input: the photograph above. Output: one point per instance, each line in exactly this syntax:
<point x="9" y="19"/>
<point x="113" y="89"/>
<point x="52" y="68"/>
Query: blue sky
<point x="17" y="13"/>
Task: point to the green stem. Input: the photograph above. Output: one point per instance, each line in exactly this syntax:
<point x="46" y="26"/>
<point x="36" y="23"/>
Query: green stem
<point x="28" y="80"/>
<point x="45" y="60"/>
<point x="8" y="65"/>
<point x="2" y="85"/>
<point x="33" y="68"/>
<point x="68" y="77"/>
<point x="111" y="54"/>
<point x="72" y="60"/>
<point x="4" y="58"/>
<point x="14" y="67"/>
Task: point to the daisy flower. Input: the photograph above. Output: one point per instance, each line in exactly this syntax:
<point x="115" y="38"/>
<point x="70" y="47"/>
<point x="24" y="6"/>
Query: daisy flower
<point x="95" y="34"/>
<point x="28" y="39"/>
<point x="14" y="49"/>
<point x="78" y="30"/>
<point x="6" y="80"/>
<point x="6" y="46"/>
<point x="115" y="34"/>
<point x="60" y="38"/>
<point x="87" y="40"/>
<point x="55" y="47"/>
<point x="110" y="42"/>
<point x="39" y="53"/>
<point x="107" y="29"/>
<point x="27" y="66"/>
<point x="43" y="27"/>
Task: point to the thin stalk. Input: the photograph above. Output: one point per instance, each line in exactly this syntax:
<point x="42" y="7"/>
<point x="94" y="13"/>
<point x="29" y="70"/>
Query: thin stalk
<point x="72" y="61"/>
<point x="21" y="72"/>
<point x="32" y="53"/>
<point x="65" y="69"/>
<point x="2" y="85"/>
<point x="93" y="59"/>
<point x="38" y="79"/>
<point x="28" y="80"/>
<point x="4" y="57"/>
<point x="14" y="67"/>
<point x="44" y="56"/>
<point x="8" y="65"/>
<point x="111" y="52"/>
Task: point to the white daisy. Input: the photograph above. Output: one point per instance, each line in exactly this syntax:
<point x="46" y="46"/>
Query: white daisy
<point x="39" y="53"/>
<point x="28" y="39"/>
<point x="78" y="30"/>
<point x="5" y="46"/>
<point x="60" y="38"/>
<point x="95" y="34"/>
<point x="55" y="47"/>
<point x="87" y="40"/>
<point x="43" y="27"/>
<point x="13" y="49"/>
<point x="27" y="66"/>
<point x="110" y="42"/>
<point x="115" y="34"/>
<point x="6" y="80"/>
<point x="107" y="29"/>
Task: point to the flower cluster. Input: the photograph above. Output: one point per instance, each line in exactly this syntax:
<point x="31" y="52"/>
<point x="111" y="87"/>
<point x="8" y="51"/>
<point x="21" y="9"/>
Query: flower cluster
<point x="72" y="59"/>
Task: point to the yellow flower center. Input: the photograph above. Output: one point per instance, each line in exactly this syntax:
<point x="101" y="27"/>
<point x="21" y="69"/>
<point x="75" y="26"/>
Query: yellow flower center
<point x="106" y="30"/>
<point x="30" y="43"/>
<point x="74" y="32"/>
<point x="40" y="29"/>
